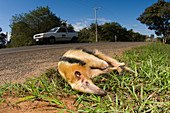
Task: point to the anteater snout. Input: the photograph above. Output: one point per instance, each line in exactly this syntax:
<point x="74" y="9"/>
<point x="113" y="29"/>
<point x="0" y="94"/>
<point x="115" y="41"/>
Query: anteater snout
<point x="101" y="92"/>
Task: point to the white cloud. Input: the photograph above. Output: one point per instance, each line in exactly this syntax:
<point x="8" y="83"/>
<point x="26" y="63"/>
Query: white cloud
<point x="85" y="23"/>
<point x="103" y="20"/>
<point x="135" y="25"/>
<point x="100" y="20"/>
<point x="79" y="25"/>
<point x="144" y="31"/>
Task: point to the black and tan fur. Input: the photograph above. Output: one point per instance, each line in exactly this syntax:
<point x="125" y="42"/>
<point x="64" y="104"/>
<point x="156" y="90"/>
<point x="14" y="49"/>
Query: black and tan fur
<point x="77" y="66"/>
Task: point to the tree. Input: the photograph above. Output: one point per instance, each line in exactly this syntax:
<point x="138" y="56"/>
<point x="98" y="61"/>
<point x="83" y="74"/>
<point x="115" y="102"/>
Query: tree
<point x="24" y="26"/>
<point x="107" y="32"/>
<point x="157" y="17"/>
<point x="84" y="35"/>
<point x="69" y="26"/>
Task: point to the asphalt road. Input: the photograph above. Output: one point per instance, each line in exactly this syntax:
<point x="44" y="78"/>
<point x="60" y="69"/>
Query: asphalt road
<point x="32" y="48"/>
<point x="16" y="64"/>
<point x="57" y="46"/>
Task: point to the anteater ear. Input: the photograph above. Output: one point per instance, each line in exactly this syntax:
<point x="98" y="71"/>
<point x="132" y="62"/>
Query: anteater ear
<point x="77" y="74"/>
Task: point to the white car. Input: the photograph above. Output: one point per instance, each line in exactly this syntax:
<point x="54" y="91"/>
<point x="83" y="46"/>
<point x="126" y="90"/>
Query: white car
<point x="57" y="34"/>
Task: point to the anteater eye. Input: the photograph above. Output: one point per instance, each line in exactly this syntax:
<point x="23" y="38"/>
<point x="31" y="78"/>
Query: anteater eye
<point x="77" y="73"/>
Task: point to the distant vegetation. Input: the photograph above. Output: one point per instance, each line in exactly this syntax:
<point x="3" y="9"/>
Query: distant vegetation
<point x="109" y="32"/>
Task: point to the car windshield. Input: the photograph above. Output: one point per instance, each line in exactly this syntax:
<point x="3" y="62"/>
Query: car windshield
<point x="53" y="30"/>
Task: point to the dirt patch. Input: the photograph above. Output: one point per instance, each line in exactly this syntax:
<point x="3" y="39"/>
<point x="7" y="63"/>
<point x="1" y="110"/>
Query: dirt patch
<point x="40" y="106"/>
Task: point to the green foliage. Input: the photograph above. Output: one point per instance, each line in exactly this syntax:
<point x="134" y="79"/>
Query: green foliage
<point x="69" y="26"/>
<point x="22" y="40"/>
<point x="84" y="36"/>
<point x="147" y="91"/>
<point x="107" y="32"/>
<point x="110" y="30"/>
<point x="24" y="26"/>
<point x="168" y="39"/>
<point x="157" y="17"/>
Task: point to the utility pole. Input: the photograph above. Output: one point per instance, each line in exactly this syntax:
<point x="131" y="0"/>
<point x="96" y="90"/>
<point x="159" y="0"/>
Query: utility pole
<point x="96" y="21"/>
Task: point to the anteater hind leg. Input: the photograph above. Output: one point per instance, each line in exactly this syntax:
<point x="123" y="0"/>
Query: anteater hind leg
<point x="120" y="66"/>
<point x="108" y="59"/>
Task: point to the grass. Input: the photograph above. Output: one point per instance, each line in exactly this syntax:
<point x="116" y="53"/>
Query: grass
<point x="147" y="91"/>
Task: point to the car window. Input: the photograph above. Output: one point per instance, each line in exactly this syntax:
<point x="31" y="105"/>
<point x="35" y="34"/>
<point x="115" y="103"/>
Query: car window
<point x="53" y="30"/>
<point x="62" y="30"/>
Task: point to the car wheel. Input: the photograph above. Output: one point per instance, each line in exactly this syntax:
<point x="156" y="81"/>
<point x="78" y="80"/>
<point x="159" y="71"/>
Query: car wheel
<point x="74" y="39"/>
<point x="52" y="40"/>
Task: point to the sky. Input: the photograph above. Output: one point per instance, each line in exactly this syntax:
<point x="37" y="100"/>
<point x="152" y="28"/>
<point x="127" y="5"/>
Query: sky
<point x="80" y="13"/>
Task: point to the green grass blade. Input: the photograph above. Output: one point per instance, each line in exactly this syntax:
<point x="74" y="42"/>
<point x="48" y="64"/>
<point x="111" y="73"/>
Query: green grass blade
<point x="25" y="99"/>
<point x="2" y="101"/>
<point x="143" y="104"/>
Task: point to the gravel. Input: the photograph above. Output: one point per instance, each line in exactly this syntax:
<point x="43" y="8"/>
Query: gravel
<point x="18" y="65"/>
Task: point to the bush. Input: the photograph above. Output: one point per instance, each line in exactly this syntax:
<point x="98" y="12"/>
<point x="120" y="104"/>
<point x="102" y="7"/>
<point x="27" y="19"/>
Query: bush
<point x="22" y="40"/>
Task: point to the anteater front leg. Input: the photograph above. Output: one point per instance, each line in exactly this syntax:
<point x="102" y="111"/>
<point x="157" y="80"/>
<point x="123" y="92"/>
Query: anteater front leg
<point x="97" y="72"/>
